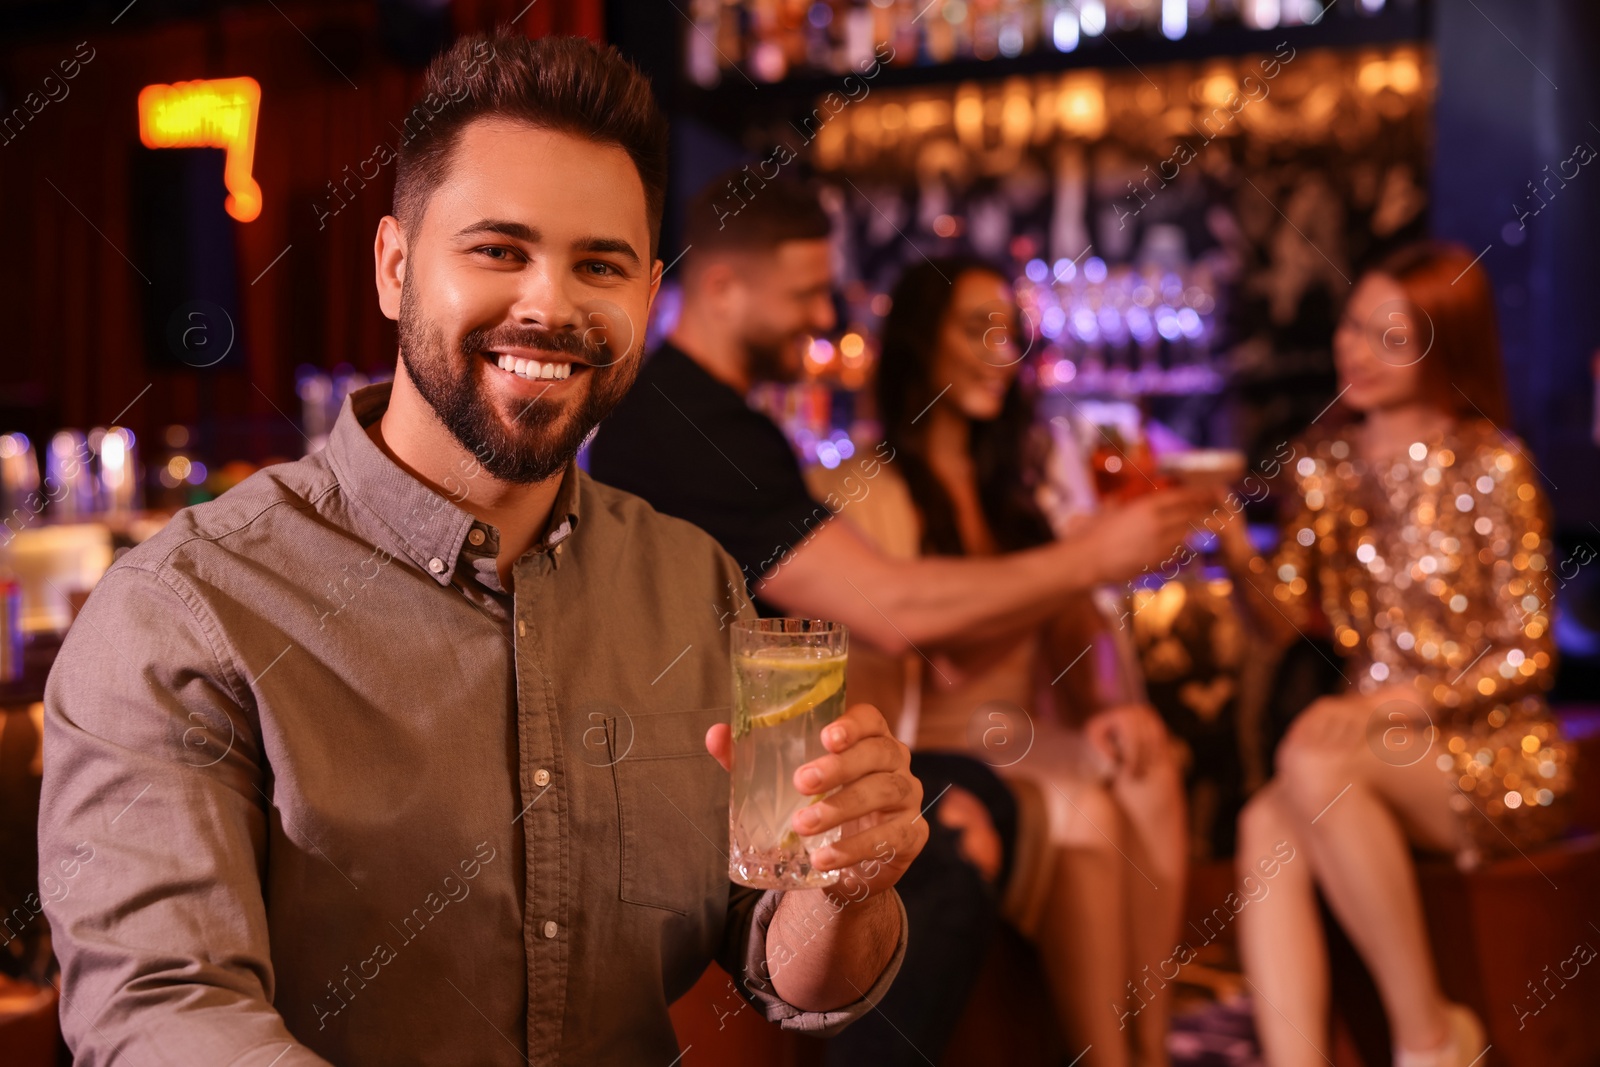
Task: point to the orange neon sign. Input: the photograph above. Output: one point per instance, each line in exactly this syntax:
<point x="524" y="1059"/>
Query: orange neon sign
<point x="209" y="113"/>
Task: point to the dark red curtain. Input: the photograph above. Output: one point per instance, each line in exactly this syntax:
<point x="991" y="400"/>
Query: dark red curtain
<point x="577" y="17"/>
<point x="72" y="291"/>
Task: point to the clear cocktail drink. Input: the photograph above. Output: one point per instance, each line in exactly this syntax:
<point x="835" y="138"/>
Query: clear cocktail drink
<point x="788" y="683"/>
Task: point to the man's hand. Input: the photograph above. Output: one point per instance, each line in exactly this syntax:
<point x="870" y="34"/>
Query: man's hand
<point x="1129" y="736"/>
<point x="1125" y="539"/>
<point x="878" y="800"/>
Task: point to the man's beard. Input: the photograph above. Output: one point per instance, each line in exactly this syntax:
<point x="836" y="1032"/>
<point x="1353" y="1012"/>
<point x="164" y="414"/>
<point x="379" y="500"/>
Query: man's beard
<point x="540" y="441"/>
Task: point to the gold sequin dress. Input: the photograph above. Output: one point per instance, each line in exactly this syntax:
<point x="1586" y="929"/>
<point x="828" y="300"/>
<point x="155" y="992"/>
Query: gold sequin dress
<point x="1435" y="571"/>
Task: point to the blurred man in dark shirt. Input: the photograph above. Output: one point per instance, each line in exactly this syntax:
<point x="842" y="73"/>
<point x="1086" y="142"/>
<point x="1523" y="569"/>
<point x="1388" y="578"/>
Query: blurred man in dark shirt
<point x="757" y="285"/>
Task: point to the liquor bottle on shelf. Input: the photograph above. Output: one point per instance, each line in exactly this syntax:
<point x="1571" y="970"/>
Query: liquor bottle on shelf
<point x="774" y="39"/>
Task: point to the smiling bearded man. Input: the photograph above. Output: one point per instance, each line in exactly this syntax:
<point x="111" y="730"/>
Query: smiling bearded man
<point x="461" y="810"/>
<point x="540" y="438"/>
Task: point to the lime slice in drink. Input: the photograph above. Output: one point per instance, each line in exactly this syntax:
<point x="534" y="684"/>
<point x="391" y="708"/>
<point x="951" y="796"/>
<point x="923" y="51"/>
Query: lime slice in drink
<point x="825" y="687"/>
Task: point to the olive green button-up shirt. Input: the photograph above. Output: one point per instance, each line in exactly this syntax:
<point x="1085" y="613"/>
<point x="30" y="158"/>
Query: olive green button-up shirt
<point x="328" y="793"/>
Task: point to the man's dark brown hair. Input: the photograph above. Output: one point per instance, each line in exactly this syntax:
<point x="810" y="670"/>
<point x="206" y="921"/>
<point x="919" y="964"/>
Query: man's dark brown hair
<point x="744" y="211"/>
<point x="567" y="84"/>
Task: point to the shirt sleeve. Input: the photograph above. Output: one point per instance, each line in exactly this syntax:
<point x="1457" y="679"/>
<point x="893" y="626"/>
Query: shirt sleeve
<point x="744" y="956"/>
<point x="152" y="798"/>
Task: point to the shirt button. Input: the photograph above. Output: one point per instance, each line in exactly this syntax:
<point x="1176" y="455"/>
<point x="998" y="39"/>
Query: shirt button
<point x="550" y="928"/>
<point x="436" y="565"/>
<point x="522" y="628"/>
<point x="476" y="537"/>
<point x="541" y="777"/>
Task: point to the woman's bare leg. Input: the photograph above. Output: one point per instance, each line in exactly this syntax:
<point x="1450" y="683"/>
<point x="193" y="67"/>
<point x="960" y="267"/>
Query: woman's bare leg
<point x="1081" y="937"/>
<point x="1358" y="814"/>
<point x="1280" y="933"/>
<point x="1157" y="845"/>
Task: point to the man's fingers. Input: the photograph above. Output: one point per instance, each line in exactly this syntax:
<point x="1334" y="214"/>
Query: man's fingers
<point x="874" y="793"/>
<point x="876" y="753"/>
<point x="719" y="742"/>
<point x="884" y="843"/>
<point x="862" y="720"/>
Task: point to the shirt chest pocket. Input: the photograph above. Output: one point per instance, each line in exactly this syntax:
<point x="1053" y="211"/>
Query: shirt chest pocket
<point x="672" y="808"/>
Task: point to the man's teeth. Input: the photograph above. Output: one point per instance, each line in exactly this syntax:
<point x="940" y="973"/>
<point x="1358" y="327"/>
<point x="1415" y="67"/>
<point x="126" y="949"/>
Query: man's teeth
<point x="534" y="369"/>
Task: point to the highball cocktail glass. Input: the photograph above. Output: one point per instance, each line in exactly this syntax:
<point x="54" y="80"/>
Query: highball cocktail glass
<point x="788" y="683"/>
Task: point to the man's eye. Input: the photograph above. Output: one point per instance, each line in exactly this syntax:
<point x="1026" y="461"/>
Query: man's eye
<point x="601" y="268"/>
<point x="499" y="253"/>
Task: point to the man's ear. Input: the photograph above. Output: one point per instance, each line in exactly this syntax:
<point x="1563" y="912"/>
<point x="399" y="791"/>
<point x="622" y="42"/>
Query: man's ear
<point x="718" y="277"/>
<point x="656" y="270"/>
<point x="389" y="265"/>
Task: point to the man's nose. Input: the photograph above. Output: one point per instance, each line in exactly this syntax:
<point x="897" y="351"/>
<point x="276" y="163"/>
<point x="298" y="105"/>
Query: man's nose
<point x="542" y="299"/>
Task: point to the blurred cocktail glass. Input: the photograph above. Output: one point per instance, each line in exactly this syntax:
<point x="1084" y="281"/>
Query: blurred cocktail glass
<point x="1204" y="468"/>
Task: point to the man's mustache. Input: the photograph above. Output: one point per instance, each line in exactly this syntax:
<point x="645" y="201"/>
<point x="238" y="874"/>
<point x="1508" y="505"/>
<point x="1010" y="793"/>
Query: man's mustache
<point x="565" y="342"/>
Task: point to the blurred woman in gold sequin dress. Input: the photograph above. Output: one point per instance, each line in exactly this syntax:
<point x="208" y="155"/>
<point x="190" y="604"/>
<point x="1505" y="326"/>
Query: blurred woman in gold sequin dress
<point x="1418" y="538"/>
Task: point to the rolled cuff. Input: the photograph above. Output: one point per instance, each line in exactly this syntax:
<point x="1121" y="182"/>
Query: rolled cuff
<point x="756" y="986"/>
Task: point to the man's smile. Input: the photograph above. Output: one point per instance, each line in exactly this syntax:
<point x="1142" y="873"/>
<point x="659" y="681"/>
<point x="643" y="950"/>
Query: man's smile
<point x="538" y="366"/>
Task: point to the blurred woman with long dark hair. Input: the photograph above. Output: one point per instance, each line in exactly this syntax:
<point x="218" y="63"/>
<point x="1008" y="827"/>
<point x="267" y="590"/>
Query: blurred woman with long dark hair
<point x="1103" y="898"/>
<point x="1418" y="541"/>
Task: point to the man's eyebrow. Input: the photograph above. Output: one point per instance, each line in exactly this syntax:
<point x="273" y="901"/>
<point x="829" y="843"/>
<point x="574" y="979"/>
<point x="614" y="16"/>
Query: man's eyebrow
<point x="608" y="244"/>
<point x="517" y="230"/>
<point x="521" y="231"/>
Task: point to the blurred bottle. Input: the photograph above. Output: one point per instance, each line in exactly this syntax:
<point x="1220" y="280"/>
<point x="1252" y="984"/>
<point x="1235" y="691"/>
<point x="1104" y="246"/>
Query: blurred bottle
<point x="19" y="479"/>
<point x="70" y="476"/>
<point x="774" y="39"/>
<point x="11" y="636"/>
<point x="119" y="475"/>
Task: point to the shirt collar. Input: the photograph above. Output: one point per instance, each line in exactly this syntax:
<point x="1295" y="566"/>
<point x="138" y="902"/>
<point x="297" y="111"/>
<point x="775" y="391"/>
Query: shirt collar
<point x="424" y="525"/>
<point x="563" y="511"/>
